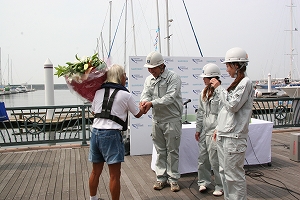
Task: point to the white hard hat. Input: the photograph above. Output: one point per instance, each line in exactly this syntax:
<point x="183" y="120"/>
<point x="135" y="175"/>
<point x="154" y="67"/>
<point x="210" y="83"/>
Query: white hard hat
<point x="236" y="54"/>
<point x="210" y="70"/>
<point x="154" y="59"/>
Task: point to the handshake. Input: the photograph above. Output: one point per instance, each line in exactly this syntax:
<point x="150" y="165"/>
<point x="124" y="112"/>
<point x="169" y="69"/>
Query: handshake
<point x="145" y="106"/>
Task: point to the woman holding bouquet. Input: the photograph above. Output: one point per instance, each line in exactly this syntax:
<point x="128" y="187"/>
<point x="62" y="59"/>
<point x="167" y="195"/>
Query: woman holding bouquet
<point x="110" y="107"/>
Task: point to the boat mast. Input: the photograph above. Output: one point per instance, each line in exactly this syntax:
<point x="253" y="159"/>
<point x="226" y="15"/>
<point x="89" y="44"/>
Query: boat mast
<point x="133" y="29"/>
<point x="109" y="34"/>
<point x="0" y="69"/>
<point x="291" y="32"/>
<point x="125" y="34"/>
<point x="291" y="40"/>
<point x="168" y="26"/>
<point x="11" y="78"/>
<point x="8" y="82"/>
<point x="158" y="27"/>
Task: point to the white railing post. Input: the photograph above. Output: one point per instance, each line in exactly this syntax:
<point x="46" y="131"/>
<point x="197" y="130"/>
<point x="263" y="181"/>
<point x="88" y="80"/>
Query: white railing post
<point x="49" y="94"/>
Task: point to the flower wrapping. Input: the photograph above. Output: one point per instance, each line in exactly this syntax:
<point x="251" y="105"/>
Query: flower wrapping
<point x="87" y="88"/>
<point x="85" y="76"/>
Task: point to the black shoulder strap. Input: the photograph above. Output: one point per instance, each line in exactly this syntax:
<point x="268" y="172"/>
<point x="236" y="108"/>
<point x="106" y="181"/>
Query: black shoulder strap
<point x="106" y="109"/>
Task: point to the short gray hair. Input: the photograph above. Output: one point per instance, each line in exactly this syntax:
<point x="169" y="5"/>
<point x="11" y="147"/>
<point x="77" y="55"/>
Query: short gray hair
<point x="115" y="73"/>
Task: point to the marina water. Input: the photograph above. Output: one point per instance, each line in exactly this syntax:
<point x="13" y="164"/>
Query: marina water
<point x="61" y="97"/>
<point x="37" y="98"/>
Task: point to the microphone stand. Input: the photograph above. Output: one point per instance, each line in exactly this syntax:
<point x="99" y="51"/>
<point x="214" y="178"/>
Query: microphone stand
<point x="185" y="116"/>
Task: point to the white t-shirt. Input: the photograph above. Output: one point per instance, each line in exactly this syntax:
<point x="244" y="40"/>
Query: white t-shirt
<point x="123" y="103"/>
<point x="256" y="92"/>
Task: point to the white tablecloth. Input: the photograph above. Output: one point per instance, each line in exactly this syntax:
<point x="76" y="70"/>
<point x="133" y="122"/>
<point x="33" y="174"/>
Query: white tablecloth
<point x="258" y="149"/>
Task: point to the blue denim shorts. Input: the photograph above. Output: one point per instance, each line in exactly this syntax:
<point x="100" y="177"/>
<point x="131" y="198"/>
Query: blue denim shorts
<point x="106" y="146"/>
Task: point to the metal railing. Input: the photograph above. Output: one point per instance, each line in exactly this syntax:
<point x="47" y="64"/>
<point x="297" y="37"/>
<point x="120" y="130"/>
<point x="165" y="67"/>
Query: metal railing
<point x="46" y="125"/>
<point x="283" y="112"/>
<point x="72" y="123"/>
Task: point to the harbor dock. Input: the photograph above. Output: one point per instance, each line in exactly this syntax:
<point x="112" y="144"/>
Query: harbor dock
<point x="61" y="172"/>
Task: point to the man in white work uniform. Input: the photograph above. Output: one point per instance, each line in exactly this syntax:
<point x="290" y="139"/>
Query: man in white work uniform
<point x="162" y="92"/>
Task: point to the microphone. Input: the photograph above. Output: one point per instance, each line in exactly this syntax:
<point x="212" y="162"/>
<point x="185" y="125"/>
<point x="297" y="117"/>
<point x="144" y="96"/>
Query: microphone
<point x="189" y="100"/>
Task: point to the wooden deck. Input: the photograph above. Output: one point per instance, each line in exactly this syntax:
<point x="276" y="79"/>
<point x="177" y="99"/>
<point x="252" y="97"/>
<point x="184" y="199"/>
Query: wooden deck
<point x="62" y="173"/>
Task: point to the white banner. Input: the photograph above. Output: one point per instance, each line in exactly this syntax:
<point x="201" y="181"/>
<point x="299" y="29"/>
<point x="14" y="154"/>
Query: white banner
<point x="189" y="69"/>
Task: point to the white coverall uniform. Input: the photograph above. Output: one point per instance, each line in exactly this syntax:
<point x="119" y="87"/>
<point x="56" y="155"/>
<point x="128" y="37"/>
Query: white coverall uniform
<point x="206" y="123"/>
<point x="165" y="94"/>
<point x="232" y="133"/>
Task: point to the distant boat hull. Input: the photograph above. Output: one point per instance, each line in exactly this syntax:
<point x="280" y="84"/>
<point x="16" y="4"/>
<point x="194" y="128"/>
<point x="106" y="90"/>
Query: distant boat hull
<point x="290" y="90"/>
<point x="265" y="86"/>
<point x="274" y="86"/>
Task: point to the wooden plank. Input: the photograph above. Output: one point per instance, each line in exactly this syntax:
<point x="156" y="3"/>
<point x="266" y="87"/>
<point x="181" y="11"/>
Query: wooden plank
<point x="79" y="171"/>
<point x="127" y="187"/>
<point x="27" y="171"/>
<point x="257" y="189"/>
<point x="42" y="177"/>
<point x="136" y="189"/>
<point x="5" y="162"/>
<point x="146" y="176"/>
<point x="282" y="171"/>
<point x="86" y="169"/>
<point x="47" y="167"/>
<point x="267" y="188"/>
<point x="54" y="160"/>
<point x="12" y="177"/>
<point x="60" y="173"/>
<point x="73" y="190"/>
<point x="18" y="177"/>
<point x="38" y="174"/>
<point x="280" y="179"/>
<point x="66" y="176"/>
<point x="33" y="174"/>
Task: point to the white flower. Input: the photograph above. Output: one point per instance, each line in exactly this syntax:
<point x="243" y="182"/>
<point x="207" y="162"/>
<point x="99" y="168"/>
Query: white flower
<point x="84" y="59"/>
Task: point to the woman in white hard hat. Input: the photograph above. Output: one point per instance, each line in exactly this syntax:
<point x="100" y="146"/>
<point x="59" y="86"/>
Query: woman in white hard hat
<point x="233" y="122"/>
<point x="206" y="122"/>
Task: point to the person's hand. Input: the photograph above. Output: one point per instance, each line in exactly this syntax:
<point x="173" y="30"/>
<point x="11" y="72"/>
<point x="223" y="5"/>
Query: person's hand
<point x="197" y="135"/>
<point x="215" y="135"/>
<point x="146" y="105"/>
<point x="142" y="108"/>
<point x="214" y="82"/>
<point x="142" y="103"/>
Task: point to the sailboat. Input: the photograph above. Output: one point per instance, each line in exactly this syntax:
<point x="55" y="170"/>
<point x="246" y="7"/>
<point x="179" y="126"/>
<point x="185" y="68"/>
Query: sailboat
<point x="292" y="89"/>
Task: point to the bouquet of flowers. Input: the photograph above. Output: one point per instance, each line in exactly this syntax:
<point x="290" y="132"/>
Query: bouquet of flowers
<point x="84" y="76"/>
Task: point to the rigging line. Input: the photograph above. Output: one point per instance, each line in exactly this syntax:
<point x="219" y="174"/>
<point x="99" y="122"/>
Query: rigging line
<point x="193" y="29"/>
<point x="139" y="22"/>
<point x="110" y="48"/>
<point x="104" y="20"/>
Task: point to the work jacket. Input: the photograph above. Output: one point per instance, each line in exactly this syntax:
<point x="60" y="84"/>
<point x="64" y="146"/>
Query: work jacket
<point x="235" y="115"/>
<point x="207" y="114"/>
<point x="165" y="94"/>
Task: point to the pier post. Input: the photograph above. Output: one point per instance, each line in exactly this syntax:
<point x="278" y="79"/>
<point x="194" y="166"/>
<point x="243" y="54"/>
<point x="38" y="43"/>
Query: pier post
<point x="84" y="143"/>
<point x="49" y="94"/>
<point x="269" y="83"/>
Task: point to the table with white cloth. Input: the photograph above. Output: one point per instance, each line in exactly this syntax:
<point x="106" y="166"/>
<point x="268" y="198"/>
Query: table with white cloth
<point x="258" y="146"/>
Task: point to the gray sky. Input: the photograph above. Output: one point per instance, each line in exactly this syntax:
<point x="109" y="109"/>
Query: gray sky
<point x="34" y="30"/>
